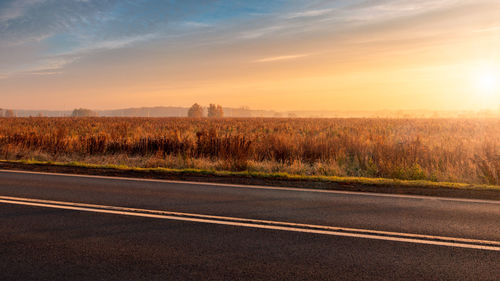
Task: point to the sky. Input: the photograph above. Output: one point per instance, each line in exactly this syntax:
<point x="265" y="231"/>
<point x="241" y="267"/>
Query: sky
<point x="280" y="55"/>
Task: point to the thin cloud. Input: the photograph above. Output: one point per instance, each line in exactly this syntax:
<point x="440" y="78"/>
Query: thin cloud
<point x="488" y="29"/>
<point x="31" y="21"/>
<point x="195" y="24"/>
<point x="121" y="42"/>
<point x="42" y="73"/>
<point x="17" y="9"/>
<point x="45" y="66"/>
<point x="53" y="63"/>
<point x="259" y="32"/>
<point x="281" y="58"/>
<point x="309" y="13"/>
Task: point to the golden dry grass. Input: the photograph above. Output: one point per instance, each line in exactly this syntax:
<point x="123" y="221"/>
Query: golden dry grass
<point x="454" y="150"/>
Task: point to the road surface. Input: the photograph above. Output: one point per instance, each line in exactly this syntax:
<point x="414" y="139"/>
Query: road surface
<point x="65" y="227"/>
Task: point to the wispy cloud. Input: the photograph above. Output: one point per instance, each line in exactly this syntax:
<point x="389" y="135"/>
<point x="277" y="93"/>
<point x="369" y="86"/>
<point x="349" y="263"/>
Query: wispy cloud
<point x="309" y="13"/>
<point x="32" y="21"/>
<point x="195" y="24"/>
<point x="42" y="73"/>
<point x="43" y="66"/>
<point x="55" y="64"/>
<point x="116" y="43"/>
<point x="17" y="9"/>
<point x="259" y="32"/>
<point x="488" y="29"/>
<point x="49" y="65"/>
<point x="281" y="58"/>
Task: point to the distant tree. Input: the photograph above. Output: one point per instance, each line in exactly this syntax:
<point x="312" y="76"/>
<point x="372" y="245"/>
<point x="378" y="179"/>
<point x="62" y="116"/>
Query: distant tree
<point x="196" y="111"/>
<point x="215" y="111"/>
<point x="1" y="113"/>
<point x="10" y="113"/>
<point x="83" y="112"/>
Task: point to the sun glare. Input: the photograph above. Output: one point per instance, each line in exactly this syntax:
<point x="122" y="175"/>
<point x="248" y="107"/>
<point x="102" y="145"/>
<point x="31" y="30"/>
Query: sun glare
<point x="487" y="80"/>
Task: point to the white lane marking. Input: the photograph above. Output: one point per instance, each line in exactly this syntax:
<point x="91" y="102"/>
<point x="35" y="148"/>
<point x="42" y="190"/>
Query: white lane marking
<point x="263" y="224"/>
<point x="298" y="189"/>
<point x="161" y="212"/>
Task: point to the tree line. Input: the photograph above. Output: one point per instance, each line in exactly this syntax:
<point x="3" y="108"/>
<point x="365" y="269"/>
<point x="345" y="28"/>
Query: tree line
<point x="7" y="113"/>
<point x="83" y="112"/>
<point x="196" y="111"/>
<point x="213" y="111"/>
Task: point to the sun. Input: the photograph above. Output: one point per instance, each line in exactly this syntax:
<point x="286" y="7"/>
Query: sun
<point x="487" y="80"/>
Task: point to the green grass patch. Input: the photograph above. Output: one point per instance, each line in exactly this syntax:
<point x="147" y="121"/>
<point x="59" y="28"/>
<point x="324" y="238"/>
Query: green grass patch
<point x="266" y="176"/>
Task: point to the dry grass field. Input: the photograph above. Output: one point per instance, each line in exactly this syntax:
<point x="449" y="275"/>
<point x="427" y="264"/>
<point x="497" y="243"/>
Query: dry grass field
<point x="456" y="150"/>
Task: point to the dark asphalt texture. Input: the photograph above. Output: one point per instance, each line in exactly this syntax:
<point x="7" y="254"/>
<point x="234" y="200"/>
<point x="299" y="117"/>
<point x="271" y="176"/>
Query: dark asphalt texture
<point x="50" y="244"/>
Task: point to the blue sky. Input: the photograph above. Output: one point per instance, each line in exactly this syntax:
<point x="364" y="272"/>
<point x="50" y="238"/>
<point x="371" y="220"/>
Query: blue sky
<point x="50" y="31"/>
<point x="290" y="54"/>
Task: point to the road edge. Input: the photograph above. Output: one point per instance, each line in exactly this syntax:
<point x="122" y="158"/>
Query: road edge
<point x="452" y="190"/>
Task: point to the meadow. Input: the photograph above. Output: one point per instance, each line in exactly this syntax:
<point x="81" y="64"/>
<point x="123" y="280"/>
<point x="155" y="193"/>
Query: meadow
<point x="453" y="150"/>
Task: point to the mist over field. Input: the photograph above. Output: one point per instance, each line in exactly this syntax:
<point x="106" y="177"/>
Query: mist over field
<point x="168" y="111"/>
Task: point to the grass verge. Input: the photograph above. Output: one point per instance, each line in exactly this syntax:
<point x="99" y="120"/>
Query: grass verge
<point x="382" y="185"/>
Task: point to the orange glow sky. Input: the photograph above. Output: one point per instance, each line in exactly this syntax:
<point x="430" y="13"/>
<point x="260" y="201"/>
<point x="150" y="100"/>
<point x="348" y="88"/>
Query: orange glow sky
<point x="282" y="55"/>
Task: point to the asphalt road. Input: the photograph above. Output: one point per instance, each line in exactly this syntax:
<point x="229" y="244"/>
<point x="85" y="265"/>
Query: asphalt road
<point x="111" y="229"/>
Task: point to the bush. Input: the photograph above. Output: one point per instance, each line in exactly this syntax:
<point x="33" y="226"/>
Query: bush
<point x="83" y="112"/>
<point x="196" y="111"/>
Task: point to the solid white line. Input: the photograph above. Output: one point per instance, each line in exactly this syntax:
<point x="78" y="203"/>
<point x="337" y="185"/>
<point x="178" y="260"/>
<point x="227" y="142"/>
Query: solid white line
<point x="273" y="225"/>
<point x="245" y="220"/>
<point x="297" y="189"/>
